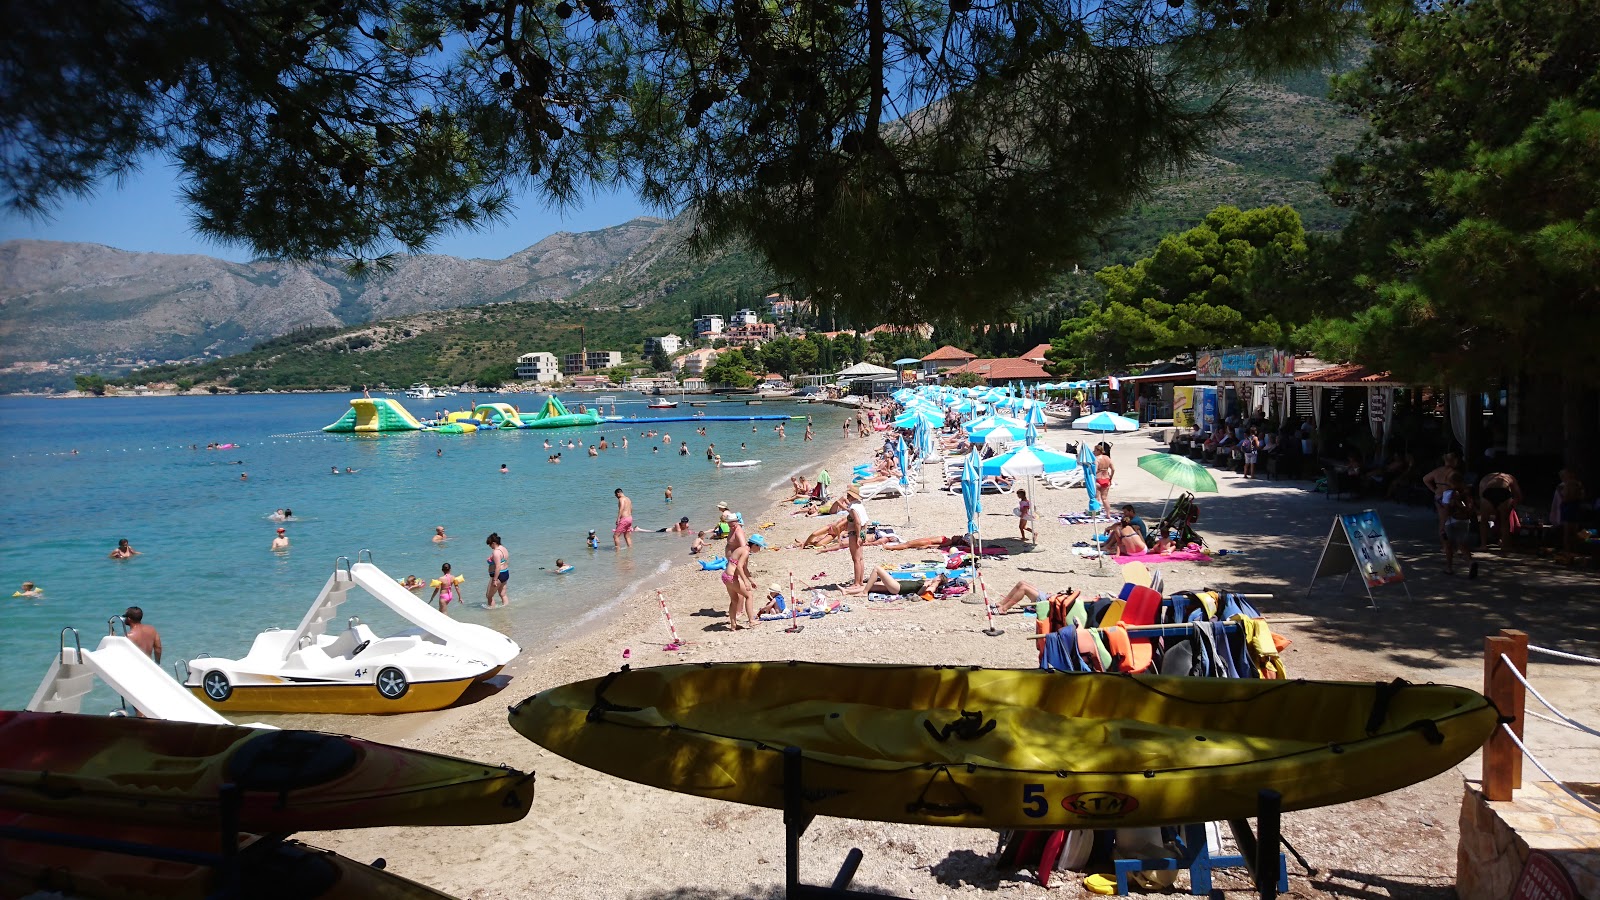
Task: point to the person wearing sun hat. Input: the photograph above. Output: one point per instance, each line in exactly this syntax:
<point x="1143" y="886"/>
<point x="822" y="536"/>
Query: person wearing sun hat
<point x="857" y="514"/>
<point x="281" y="542"/>
<point x="776" y="604"/>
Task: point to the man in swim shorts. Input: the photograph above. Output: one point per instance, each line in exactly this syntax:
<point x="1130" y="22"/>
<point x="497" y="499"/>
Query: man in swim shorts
<point x="281" y="541"/>
<point x="624" y="527"/>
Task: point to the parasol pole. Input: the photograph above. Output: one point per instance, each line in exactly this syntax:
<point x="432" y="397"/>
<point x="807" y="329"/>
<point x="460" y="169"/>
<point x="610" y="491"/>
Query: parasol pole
<point x="794" y="609"/>
<point x="673" y="629"/>
<point x="988" y="608"/>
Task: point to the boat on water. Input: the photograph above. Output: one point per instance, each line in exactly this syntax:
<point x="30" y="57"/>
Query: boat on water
<point x="315" y="668"/>
<point x="662" y="403"/>
<point x="421" y="391"/>
<point x="1006" y="748"/>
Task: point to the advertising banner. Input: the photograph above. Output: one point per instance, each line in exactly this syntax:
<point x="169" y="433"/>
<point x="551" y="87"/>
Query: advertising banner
<point x="1183" y="406"/>
<point x="1206" y="401"/>
<point x="1245" y="364"/>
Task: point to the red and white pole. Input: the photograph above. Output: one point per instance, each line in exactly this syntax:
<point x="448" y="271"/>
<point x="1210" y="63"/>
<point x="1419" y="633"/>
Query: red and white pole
<point x="794" y="609"/>
<point x="673" y="629"/>
<point x="988" y="609"/>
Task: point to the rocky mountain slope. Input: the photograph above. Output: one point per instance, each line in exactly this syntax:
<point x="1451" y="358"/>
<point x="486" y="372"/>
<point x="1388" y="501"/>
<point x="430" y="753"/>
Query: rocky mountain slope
<point x="101" y="305"/>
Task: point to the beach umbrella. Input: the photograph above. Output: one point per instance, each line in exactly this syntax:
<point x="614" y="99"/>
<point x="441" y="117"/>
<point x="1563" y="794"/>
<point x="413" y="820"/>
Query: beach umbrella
<point x="903" y="395"/>
<point x="1033" y="412"/>
<point x="1025" y="462"/>
<point x="923" y="437"/>
<point x="910" y="419"/>
<point x="1106" y="421"/>
<point x="1012" y="429"/>
<point x="1180" y="472"/>
<point x="1033" y="436"/>
<point x="905" y="476"/>
<point x="971" y="490"/>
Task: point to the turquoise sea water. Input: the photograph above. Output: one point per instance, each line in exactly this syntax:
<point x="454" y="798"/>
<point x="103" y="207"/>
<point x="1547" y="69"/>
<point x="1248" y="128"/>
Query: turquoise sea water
<point x="206" y="577"/>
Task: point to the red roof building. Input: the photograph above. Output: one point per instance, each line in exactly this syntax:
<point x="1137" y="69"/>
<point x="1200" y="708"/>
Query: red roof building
<point x="1036" y="354"/>
<point x="1003" y="371"/>
<point x="945" y="357"/>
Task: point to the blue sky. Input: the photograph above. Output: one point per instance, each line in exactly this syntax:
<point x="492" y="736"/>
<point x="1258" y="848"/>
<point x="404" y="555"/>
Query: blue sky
<point x="145" y="213"/>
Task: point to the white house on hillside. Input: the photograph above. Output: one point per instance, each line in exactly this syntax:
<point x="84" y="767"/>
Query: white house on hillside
<point x="706" y="326"/>
<point x="668" y="344"/>
<point x="542" y="367"/>
<point x="743" y="317"/>
<point x="696" y="362"/>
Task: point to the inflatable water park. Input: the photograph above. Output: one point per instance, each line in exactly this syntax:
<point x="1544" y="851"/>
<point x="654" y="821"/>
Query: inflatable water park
<point x="370" y="415"/>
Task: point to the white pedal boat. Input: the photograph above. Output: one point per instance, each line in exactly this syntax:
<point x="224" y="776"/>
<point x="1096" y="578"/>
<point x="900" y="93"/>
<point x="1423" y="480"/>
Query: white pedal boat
<point x="354" y="670"/>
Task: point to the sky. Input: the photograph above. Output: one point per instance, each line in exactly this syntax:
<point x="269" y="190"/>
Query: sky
<point x="146" y="213"/>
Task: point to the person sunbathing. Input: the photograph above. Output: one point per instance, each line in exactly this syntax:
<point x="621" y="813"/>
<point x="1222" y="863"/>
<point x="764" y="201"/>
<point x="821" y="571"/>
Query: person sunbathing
<point x="882" y="581"/>
<point x="822" y="537"/>
<point x="1023" y="592"/>
<point x="802" y="488"/>
<point x="954" y="541"/>
<point x="879" y="535"/>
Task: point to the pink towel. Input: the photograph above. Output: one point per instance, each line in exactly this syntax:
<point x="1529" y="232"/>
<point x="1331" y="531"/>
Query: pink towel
<point x="1174" y="556"/>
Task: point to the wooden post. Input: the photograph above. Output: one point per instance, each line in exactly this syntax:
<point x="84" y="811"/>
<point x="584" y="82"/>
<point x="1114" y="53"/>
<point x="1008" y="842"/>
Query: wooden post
<point x="1519" y="658"/>
<point x="1501" y="758"/>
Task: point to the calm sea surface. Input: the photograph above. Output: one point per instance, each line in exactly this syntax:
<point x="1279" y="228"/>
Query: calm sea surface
<point x="206" y="577"/>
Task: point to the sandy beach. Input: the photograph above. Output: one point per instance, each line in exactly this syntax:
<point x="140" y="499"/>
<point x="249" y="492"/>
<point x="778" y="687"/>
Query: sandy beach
<point x="591" y="835"/>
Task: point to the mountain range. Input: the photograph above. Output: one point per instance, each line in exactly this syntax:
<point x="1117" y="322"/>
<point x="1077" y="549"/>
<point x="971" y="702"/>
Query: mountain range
<point x="72" y="308"/>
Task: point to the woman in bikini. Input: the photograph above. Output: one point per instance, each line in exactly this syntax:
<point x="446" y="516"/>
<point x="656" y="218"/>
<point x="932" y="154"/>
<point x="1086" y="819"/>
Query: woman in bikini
<point x="1104" y="471"/>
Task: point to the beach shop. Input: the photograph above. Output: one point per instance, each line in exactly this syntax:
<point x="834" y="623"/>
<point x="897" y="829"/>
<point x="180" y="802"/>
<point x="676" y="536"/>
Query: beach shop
<point x="1249" y="381"/>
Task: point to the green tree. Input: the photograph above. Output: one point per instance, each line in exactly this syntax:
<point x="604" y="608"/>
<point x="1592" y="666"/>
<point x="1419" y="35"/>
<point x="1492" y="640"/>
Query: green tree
<point x="660" y="361"/>
<point x="90" y="384"/>
<point x="731" y="368"/>
<point x="1474" y="248"/>
<point x="494" y="375"/>
<point x="1225" y="282"/>
<point x="878" y="156"/>
<point x="965" y="379"/>
<point x="805" y="356"/>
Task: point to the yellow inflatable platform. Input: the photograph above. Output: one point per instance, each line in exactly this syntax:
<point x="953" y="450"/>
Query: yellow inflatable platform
<point x="1000" y="748"/>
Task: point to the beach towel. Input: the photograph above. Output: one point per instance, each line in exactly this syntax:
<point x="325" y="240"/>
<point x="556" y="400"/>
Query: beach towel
<point x="1080" y="519"/>
<point x="1174" y="556"/>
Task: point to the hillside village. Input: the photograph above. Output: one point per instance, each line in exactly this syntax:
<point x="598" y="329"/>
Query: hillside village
<point x="765" y="350"/>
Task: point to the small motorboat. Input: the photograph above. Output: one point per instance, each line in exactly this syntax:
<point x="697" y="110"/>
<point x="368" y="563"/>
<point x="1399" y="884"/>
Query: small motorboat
<point x="355" y="670"/>
<point x="662" y="403"/>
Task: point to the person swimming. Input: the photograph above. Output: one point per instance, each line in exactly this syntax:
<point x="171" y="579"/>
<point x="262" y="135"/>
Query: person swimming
<point x="561" y="567"/>
<point x="29" y="589"/>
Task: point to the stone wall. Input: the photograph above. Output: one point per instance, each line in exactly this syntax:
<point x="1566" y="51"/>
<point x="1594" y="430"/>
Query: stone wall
<point x="1497" y="837"/>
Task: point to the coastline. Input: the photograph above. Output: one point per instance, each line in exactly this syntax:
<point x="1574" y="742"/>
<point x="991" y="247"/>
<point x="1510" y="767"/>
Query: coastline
<point x="568" y="846"/>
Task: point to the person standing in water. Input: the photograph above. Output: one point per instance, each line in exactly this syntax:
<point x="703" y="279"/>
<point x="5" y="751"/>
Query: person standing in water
<point x="281" y="541"/>
<point x="143" y="636"/>
<point x="499" y="572"/>
<point x="447" y="591"/>
<point x="624" y="528"/>
<point x="669" y="493"/>
<point x="439" y="536"/>
<point x="124" y="551"/>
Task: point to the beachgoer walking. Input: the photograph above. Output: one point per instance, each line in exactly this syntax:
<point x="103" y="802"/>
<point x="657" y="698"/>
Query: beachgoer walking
<point x="735" y="573"/>
<point x="281" y="541"/>
<point x="143" y="636"/>
<point x="1438" y="481"/>
<point x="1025" y="518"/>
<point x="810" y="436"/>
<point x="448" y="591"/>
<point x="124" y="551"/>
<point x="1461" y="511"/>
<point x="624" y="528"/>
<point x="499" y="572"/>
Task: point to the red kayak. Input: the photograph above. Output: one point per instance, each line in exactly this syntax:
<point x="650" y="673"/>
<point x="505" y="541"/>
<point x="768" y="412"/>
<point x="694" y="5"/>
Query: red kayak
<point x="151" y="772"/>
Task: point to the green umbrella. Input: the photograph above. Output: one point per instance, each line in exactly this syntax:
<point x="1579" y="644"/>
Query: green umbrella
<point x="1178" y="471"/>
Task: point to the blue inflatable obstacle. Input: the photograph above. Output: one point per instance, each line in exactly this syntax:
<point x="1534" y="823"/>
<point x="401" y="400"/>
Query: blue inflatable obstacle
<point x="654" y="419"/>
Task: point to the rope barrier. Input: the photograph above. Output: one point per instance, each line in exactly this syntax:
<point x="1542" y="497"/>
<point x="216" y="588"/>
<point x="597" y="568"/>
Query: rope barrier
<point x="1555" y="721"/>
<point x="1511" y="667"/>
<point x="1557" y="653"/>
<point x="1540" y="766"/>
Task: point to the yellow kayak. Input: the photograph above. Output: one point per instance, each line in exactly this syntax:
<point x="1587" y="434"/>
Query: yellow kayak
<point x="1004" y="748"/>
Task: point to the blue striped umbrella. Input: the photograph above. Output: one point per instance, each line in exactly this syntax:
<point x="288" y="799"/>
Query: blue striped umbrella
<point x="1033" y="435"/>
<point x="972" y="490"/>
<point x="905" y="463"/>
